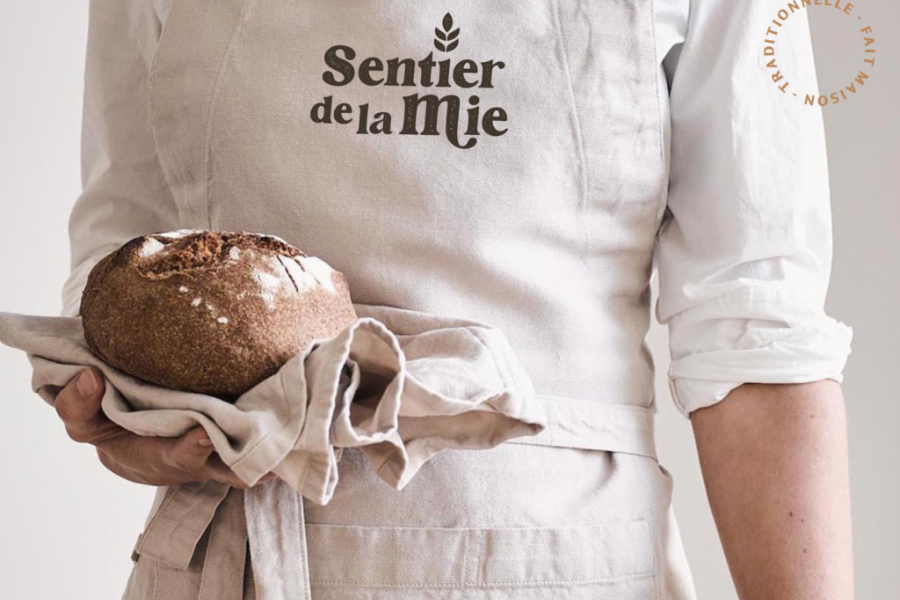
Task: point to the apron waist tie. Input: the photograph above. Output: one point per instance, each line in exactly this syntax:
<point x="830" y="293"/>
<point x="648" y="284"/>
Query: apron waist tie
<point x="270" y="515"/>
<point x="277" y="533"/>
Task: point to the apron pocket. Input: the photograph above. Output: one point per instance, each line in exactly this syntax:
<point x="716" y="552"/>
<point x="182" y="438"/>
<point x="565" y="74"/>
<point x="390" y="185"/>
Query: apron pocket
<point x="613" y="557"/>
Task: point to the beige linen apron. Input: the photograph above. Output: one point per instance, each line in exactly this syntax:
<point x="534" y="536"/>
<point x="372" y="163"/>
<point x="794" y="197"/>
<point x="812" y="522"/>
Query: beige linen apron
<point x="515" y="180"/>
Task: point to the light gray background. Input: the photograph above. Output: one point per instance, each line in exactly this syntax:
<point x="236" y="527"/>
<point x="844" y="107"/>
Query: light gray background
<point x="67" y="525"/>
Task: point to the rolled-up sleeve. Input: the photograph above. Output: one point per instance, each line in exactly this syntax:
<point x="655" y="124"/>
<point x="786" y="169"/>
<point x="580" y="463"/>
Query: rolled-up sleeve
<point x="744" y="250"/>
<point x="124" y="191"/>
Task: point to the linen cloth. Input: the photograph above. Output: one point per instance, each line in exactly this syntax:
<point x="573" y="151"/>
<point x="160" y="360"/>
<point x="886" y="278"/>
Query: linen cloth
<point x="743" y="250"/>
<point x="436" y="383"/>
<point x="399" y="386"/>
<point x="403" y="395"/>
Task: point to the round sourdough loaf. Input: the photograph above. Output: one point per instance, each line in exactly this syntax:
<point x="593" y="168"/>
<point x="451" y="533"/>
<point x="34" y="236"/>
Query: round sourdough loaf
<point x="210" y="312"/>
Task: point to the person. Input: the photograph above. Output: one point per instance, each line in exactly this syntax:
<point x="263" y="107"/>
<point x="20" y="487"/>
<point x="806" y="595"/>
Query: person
<point x="530" y="165"/>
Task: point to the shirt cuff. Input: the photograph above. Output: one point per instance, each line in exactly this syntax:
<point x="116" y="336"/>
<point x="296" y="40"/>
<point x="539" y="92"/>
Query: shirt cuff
<point x="811" y="352"/>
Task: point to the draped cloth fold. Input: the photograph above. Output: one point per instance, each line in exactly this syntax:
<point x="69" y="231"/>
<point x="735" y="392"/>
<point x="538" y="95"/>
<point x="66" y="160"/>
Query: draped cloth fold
<point x="401" y="385"/>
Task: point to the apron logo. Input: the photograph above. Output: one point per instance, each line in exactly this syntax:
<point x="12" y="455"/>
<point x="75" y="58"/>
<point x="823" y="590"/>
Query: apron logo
<point x="342" y="71"/>
<point x="446" y="35"/>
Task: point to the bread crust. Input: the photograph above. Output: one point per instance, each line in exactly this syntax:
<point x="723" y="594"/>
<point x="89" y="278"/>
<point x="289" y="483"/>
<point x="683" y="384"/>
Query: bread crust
<point x="208" y="311"/>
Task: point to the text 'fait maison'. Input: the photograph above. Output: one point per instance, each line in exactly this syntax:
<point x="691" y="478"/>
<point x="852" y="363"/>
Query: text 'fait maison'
<point x="371" y="72"/>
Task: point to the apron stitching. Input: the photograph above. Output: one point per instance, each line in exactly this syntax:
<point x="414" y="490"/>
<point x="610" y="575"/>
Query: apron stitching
<point x="308" y="470"/>
<point x="155" y="579"/>
<point x="515" y="583"/>
<point x="151" y="110"/>
<point x="465" y="573"/>
<point x="479" y="530"/>
<point x="243" y="561"/>
<point x="210" y="544"/>
<point x="659" y="136"/>
<point x="304" y="549"/>
<point x="653" y="543"/>
<point x="204" y="581"/>
<point x="479" y="566"/>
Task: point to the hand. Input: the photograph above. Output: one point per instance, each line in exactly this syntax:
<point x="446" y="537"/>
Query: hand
<point x="142" y="459"/>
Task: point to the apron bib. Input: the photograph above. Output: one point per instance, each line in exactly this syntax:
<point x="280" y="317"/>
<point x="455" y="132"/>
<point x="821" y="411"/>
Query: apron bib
<point x="499" y="161"/>
<point x="538" y="216"/>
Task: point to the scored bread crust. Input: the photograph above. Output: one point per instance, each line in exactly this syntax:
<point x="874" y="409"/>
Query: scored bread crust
<point x="210" y="312"/>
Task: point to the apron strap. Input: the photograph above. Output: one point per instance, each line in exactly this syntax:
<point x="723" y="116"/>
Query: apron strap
<point x="183" y="516"/>
<point x="269" y="515"/>
<point x="277" y="533"/>
<point x="594" y="425"/>
<point x="222" y="577"/>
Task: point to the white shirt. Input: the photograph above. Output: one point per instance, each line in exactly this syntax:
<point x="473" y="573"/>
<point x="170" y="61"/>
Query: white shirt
<point x="743" y="255"/>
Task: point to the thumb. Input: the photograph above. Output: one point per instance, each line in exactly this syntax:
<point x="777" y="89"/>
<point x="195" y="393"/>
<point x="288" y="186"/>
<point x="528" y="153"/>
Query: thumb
<point x="78" y="405"/>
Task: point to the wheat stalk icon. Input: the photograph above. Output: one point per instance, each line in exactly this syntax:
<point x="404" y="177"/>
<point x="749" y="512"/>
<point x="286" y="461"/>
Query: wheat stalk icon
<point x="446" y="35"/>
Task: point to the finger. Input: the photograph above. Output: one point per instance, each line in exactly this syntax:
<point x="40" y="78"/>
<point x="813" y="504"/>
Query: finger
<point x="191" y="451"/>
<point x="140" y="454"/>
<point x="195" y="453"/>
<point x="78" y="405"/>
<point x="80" y="399"/>
<point x="153" y="460"/>
<point x="142" y="473"/>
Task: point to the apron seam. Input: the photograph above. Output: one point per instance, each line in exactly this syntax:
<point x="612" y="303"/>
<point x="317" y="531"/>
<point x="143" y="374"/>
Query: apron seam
<point x="151" y="110"/>
<point x="155" y="579"/>
<point x="579" y="135"/>
<point x="597" y="525"/>
<point x="305" y="579"/>
<point x="204" y="583"/>
<point x="653" y="543"/>
<point x="465" y="561"/>
<point x="493" y="584"/>
<point x="211" y="105"/>
<point x="659" y="133"/>
<point x="479" y="575"/>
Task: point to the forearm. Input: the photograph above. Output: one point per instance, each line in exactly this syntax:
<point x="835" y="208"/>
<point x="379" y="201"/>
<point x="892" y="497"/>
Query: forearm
<point x="774" y="461"/>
